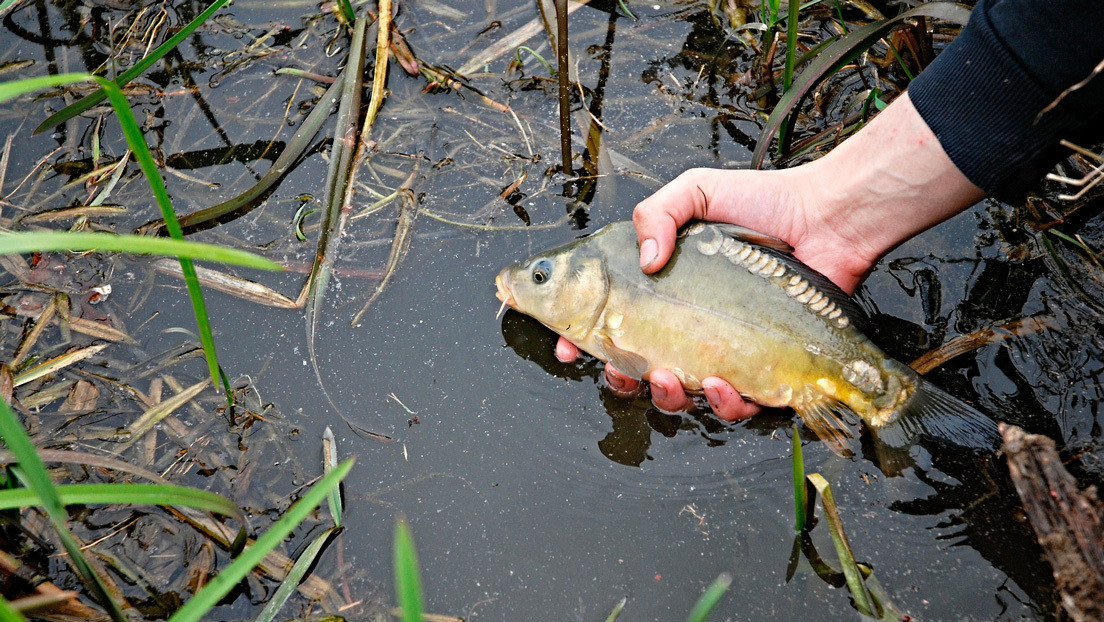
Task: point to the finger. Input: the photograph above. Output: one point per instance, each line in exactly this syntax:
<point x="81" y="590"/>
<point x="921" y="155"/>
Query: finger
<point x="566" y="351"/>
<point x="667" y="392"/>
<point x="726" y="402"/>
<point x="620" y="384"/>
<point x="658" y="218"/>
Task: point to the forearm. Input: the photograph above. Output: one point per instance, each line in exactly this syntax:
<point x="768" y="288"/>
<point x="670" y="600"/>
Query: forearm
<point x="885" y="184"/>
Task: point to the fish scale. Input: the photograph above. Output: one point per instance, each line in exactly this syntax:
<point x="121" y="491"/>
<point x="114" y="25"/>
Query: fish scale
<point x="761" y="263"/>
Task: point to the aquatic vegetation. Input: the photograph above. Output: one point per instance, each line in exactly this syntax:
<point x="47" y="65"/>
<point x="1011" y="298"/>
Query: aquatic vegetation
<point x="408" y="581"/>
<point x="140" y="149"/>
<point x="234" y="119"/>
<point x="869" y="597"/>
<point x="831" y="59"/>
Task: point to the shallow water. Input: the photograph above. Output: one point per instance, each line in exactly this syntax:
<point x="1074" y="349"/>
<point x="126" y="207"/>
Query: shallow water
<point x="533" y="493"/>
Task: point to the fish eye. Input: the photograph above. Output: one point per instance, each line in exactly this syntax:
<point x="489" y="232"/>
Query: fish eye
<point x="542" y="271"/>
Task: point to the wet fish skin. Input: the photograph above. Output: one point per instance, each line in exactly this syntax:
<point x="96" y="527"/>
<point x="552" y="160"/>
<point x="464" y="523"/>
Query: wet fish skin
<point x="735" y="304"/>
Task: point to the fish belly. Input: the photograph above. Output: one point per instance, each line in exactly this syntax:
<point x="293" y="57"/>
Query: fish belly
<point x="770" y="360"/>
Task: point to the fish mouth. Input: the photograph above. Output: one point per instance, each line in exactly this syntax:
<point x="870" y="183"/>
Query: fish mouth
<point x="504" y="295"/>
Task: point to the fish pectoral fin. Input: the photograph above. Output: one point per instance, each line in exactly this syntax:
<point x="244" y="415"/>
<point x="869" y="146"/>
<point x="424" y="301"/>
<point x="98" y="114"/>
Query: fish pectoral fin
<point x="828" y="419"/>
<point x="629" y="363"/>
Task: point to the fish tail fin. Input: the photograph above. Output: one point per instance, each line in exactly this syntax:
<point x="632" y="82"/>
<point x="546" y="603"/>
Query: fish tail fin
<point x="933" y="413"/>
<point x="828" y="418"/>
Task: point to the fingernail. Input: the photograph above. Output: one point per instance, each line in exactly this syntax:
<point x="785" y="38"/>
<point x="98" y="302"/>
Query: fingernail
<point x="659" y="393"/>
<point x="617" y="383"/>
<point x="648" y="251"/>
<point x="712" y="395"/>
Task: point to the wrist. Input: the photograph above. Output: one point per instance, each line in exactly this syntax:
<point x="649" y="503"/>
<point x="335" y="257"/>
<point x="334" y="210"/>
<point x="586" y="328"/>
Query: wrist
<point x="887" y="183"/>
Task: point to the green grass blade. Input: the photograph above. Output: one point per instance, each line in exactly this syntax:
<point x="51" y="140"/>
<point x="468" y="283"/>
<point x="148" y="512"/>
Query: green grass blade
<point x="137" y="143"/>
<point x="136" y="494"/>
<point x="7" y="4"/>
<point x="50" y="241"/>
<point x="617" y="609"/>
<point x="157" y="54"/>
<point x="346" y="10"/>
<point x="38" y="479"/>
<point x="536" y="55"/>
<point x="710" y="598"/>
<point x="16" y="88"/>
<point x="801" y="493"/>
<point x="7" y="612"/>
<point x="294" y="576"/>
<point x="835" y="56"/>
<point x="791" y="44"/>
<point x="329" y="463"/>
<point x="408" y="582"/>
<point x="196" y="608"/>
<point x="788" y="69"/>
<point x="843" y="548"/>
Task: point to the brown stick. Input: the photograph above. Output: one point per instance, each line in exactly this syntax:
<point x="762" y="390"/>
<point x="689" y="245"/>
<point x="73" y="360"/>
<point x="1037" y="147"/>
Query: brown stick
<point x="1068" y="522"/>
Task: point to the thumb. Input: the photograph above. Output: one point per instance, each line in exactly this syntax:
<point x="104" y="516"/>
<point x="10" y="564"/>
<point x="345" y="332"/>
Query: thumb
<point x="658" y="217"/>
<point x="656" y="227"/>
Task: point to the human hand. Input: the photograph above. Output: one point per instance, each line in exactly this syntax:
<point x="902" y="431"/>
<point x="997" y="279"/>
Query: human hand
<point x="840" y="213"/>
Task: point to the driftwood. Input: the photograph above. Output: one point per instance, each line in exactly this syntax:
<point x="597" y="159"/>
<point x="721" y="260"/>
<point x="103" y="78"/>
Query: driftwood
<point x="1068" y="522"/>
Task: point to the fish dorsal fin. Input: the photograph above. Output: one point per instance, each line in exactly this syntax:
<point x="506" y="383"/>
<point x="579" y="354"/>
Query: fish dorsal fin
<point x="754" y="237"/>
<point x="827" y="418"/>
<point x="628" y="363"/>
<point x="738" y="232"/>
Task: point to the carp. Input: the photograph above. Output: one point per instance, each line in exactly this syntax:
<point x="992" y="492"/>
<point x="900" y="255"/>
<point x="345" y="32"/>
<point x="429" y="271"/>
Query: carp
<point x="735" y="304"/>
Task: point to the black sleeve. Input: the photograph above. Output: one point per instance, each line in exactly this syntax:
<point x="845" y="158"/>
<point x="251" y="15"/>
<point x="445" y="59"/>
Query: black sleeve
<point x="985" y="95"/>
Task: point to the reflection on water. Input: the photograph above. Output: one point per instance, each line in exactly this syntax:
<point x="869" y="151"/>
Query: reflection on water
<point x="559" y="497"/>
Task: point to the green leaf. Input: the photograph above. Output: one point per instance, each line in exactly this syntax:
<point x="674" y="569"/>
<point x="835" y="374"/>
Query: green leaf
<point x="291" y="581"/>
<point x="50" y="241"/>
<point x="196" y="608"/>
<point x="835" y="56"/>
<point x="801" y="494"/>
<point x="157" y="54"/>
<point x="137" y="143"/>
<point x="843" y="548"/>
<point x="329" y="463"/>
<point x="617" y="609"/>
<point x="138" y="494"/>
<point x="408" y="583"/>
<point x="7" y="612"/>
<point x="710" y="598"/>
<point x="34" y="471"/>
<point x="346" y="11"/>
<point x="16" y="88"/>
<point x="7" y="4"/>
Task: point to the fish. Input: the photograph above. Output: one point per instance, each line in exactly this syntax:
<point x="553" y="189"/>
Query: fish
<point x="736" y="304"/>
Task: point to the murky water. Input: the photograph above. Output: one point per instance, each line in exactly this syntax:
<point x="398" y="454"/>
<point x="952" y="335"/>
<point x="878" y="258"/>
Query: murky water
<point x="533" y="493"/>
